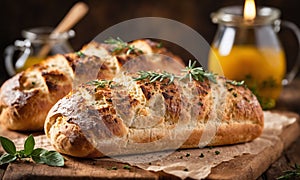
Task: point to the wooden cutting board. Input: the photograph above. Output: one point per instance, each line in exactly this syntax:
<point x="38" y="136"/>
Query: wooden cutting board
<point x="242" y="167"/>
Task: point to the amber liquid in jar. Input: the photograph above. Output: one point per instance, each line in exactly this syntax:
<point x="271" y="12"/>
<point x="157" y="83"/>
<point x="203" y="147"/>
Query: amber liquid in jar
<point x="262" y="69"/>
<point x="31" y="60"/>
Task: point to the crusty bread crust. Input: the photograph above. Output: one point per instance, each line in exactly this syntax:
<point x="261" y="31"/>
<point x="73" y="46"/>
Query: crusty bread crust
<point x="26" y="98"/>
<point x="236" y="116"/>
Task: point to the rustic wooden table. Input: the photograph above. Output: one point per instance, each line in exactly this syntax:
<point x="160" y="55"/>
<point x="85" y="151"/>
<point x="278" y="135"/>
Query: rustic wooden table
<point x="289" y="100"/>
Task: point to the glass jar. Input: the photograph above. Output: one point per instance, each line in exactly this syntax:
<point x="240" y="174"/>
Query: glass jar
<point x="251" y="51"/>
<point x="38" y="44"/>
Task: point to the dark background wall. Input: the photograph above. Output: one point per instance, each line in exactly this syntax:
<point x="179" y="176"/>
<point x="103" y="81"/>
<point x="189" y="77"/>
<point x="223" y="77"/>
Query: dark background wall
<point x="17" y="15"/>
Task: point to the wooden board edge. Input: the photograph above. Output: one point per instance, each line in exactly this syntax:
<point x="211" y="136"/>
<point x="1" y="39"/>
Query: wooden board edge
<point x="287" y="137"/>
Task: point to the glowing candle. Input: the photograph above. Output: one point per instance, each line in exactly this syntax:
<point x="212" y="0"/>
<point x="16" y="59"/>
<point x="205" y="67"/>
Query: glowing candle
<point x="249" y="10"/>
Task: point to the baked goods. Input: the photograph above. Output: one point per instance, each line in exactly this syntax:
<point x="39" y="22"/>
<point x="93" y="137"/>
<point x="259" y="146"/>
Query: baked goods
<point x="150" y="111"/>
<point x="26" y="98"/>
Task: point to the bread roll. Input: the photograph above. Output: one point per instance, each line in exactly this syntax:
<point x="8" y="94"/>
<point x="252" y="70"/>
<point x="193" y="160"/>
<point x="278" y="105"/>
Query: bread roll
<point x="26" y="98"/>
<point x="128" y="116"/>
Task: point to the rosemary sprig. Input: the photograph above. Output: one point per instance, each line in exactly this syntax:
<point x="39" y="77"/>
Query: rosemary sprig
<point x="100" y="83"/>
<point x="197" y="73"/>
<point x="154" y="76"/>
<point x="191" y="72"/>
<point x="121" y="45"/>
<point x="291" y="174"/>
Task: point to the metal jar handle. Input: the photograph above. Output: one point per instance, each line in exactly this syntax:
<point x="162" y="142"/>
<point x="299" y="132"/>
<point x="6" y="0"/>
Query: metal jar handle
<point x="23" y="46"/>
<point x="293" y="72"/>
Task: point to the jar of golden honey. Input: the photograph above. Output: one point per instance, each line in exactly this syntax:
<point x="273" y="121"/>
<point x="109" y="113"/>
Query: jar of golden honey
<point x="250" y="51"/>
<point x="38" y="43"/>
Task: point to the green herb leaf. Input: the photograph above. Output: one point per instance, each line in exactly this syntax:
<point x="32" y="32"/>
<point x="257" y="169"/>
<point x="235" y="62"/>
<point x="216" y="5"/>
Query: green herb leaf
<point x="29" y="145"/>
<point x="159" y="45"/>
<point x="117" y="41"/>
<point x="154" y="76"/>
<point x="21" y="154"/>
<point x="291" y="174"/>
<point x="8" y="145"/>
<point x="52" y="158"/>
<point x="127" y="167"/>
<point x="100" y="83"/>
<point x="37" y="154"/>
<point x="121" y="45"/>
<point x="80" y="54"/>
<point x="7" y="158"/>
<point x="38" y="159"/>
<point x="197" y="73"/>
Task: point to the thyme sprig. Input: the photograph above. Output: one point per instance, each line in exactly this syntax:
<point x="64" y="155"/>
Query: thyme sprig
<point x="291" y="174"/>
<point x="154" y="76"/>
<point x="122" y="45"/>
<point x="100" y="83"/>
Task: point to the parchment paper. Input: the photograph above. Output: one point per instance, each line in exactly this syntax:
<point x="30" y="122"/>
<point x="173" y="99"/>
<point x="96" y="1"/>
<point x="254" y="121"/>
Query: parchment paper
<point x="190" y="163"/>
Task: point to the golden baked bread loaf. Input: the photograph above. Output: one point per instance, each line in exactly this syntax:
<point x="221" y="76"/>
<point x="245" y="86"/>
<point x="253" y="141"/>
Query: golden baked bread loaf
<point x="136" y="113"/>
<point x="26" y="98"/>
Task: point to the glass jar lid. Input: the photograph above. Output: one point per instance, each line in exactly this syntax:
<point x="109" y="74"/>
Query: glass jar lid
<point x="233" y="16"/>
<point x="44" y="34"/>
